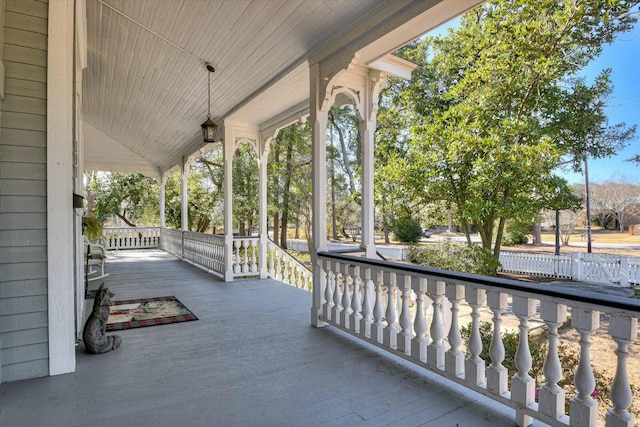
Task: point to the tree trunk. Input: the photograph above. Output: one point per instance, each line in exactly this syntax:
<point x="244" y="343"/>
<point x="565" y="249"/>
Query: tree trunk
<point x="126" y="221"/>
<point x="286" y="193"/>
<point x="242" y="231"/>
<point x="334" y="218"/>
<point x="276" y="227"/>
<point x="499" y="234"/>
<point x="537" y="234"/>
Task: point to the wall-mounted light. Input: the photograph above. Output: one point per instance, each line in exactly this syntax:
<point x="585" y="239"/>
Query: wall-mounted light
<point x="209" y="127"/>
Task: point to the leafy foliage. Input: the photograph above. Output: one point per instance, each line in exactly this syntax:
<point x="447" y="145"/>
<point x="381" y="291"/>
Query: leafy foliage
<point x="407" y="230"/>
<point x="497" y="104"/>
<point x="92" y="227"/>
<point x="517" y="233"/>
<point x="454" y="256"/>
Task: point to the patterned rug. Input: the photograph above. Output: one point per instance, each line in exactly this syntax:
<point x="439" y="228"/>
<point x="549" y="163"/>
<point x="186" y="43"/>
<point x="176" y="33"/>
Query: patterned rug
<point x="138" y="313"/>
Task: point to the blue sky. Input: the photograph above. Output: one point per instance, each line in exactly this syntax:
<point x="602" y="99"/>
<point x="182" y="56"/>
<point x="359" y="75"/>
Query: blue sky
<point x="623" y="57"/>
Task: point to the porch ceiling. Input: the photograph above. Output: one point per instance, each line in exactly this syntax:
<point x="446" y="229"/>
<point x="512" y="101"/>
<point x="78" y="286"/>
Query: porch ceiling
<point x="145" y="85"/>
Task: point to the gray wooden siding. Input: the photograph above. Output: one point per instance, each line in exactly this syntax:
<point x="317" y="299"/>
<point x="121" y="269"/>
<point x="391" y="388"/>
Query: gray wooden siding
<point x="23" y="205"/>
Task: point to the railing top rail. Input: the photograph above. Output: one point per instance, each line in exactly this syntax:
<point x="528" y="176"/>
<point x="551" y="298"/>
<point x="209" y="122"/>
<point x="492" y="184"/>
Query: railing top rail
<point x="131" y="228"/>
<point x="288" y="255"/>
<point x="244" y="237"/>
<point x="544" y="291"/>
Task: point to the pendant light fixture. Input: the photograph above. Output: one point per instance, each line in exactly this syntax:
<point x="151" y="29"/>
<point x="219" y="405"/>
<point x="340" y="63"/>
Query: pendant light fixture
<point x="209" y="127"/>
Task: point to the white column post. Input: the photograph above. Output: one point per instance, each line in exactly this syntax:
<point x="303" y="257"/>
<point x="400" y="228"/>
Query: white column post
<point x="374" y="84"/>
<point x="185" y="194"/>
<point x="229" y="150"/>
<point x="262" y="209"/>
<point x="60" y="266"/>
<point x="163" y="185"/>
<point x="319" y="192"/>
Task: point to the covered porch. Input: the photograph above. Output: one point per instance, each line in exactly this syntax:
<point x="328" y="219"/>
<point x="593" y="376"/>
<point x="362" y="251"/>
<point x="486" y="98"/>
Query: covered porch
<point x="250" y="359"/>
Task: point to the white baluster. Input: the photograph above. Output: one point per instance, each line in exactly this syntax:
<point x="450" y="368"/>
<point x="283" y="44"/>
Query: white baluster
<point x="328" y="293"/>
<point x="406" y="328"/>
<point x="420" y="342"/>
<point x="454" y="357"/>
<point x="276" y="254"/>
<point x="475" y="366"/>
<point x="392" y="328"/>
<point x="582" y="408"/>
<point x="367" y="305"/>
<point x="377" y="329"/>
<point x="236" y="265"/>
<point x="245" y="257"/>
<point x="435" y="349"/>
<point x="551" y="396"/>
<point x="272" y="256"/>
<point x="496" y="373"/>
<point x="254" y="263"/>
<point x="337" y="294"/>
<point x="523" y="387"/>
<point x="345" y="314"/>
<point x="356" y="305"/>
<point x="623" y="330"/>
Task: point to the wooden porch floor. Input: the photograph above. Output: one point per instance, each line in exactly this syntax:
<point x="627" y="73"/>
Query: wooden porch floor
<point x="251" y="360"/>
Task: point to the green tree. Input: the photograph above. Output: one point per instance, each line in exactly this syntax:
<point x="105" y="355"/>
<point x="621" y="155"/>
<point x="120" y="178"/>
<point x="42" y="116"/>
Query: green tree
<point x="131" y="197"/>
<point x="499" y="104"/>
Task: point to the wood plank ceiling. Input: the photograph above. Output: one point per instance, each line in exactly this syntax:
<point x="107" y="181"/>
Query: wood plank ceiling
<point x="151" y="96"/>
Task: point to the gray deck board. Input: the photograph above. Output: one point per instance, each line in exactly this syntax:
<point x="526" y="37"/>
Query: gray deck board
<point x="250" y="360"/>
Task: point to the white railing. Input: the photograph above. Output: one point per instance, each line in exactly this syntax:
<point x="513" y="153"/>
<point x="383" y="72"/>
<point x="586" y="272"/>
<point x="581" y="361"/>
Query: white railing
<point x="388" y="305"/>
<point x="208" y="251"/>
<point x="597" y="268"/>
<point x="172" y="241"/>
<point x="132" y="238"/>
<point x="285" y="268"/>
<point x="245" y="256"/>
<point x="205" y="250"/>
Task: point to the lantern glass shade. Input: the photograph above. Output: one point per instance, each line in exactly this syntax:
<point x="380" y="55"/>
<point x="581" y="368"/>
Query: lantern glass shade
<point x="208" y="130"/>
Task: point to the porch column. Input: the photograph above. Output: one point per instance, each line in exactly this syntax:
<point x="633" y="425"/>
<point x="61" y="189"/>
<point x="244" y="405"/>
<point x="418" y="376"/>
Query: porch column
<point x="228" y="152"/>
<point x="185" y="194"/>
<point x="262" y="201"/>
<point x="163" y="184"/>
<point x="319" y="191"/>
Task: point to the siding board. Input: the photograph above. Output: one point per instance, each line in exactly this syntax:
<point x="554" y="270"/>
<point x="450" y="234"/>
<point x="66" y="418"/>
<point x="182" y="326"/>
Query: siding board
<point x="23" y="371"/>
<point x="25" y="55"/>
<point x="18" y="221"/>
<point x="19" y="70"/>
<point x="20" y="154"/>
<point x="27" y="204"/>
<point x="21" y="238"/>
<point x="28" y="171"/>
<point x="28" y="7"/>
<point x="25" y="353"/>
<point x="20" y="20"/>
<point x="23" y="187"/>
<point x="20" y="305"/>
<point x="31" y="336"/>
<point x="24" y="121"/>
<point x="22" y="271"/>
<point x="23" y="288"/>
<point x="25" y="38"/>
<point x="21" y="322"/>
<point x="24" y="104"/>
<point x="21" y="87"/>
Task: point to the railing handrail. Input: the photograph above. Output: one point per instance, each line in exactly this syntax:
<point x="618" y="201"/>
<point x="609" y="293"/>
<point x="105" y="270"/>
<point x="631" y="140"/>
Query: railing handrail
<point x="288" y="255"/>
<point x="545" y="291"/>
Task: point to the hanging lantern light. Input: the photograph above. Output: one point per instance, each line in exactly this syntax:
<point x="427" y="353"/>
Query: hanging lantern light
<point x="209" y="127"/>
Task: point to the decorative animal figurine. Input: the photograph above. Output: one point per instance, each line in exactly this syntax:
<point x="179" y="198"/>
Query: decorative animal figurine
<point x="94" y="333"/>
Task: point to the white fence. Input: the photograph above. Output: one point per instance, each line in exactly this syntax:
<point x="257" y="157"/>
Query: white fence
<point x="598" y="268"/>
<point x="132" y="238"/>
<point x="401" y="309"/>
